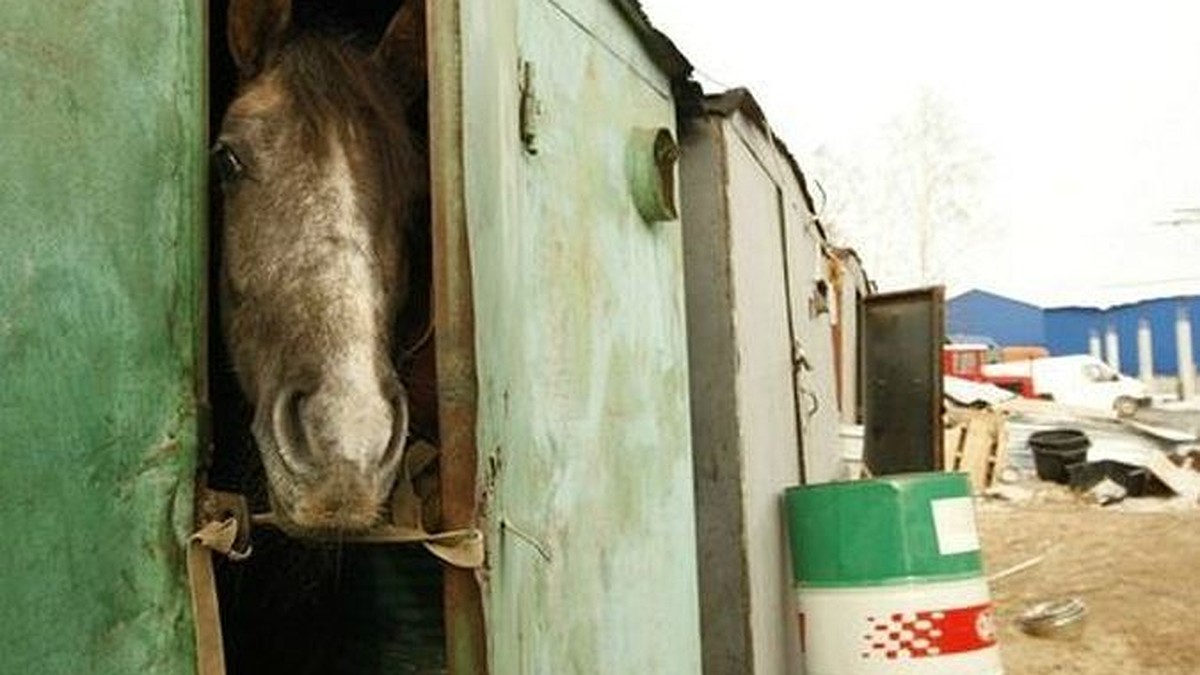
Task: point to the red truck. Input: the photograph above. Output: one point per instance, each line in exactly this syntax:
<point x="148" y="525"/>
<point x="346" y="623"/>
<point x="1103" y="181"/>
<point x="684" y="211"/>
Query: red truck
<point x="966" y="361"/>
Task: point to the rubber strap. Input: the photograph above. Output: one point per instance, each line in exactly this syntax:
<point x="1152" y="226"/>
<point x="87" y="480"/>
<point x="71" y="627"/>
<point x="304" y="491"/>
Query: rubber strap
<point x="206" y="614"/>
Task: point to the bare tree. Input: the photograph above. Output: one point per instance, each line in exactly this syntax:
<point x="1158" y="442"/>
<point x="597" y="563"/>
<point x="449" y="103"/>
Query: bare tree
<point x="935" y="183"/>
<point x="841" y="193"/>
<point x="911" y="203"/>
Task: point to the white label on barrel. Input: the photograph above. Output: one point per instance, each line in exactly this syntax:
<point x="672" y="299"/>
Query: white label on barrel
<point x="954" y="524"/>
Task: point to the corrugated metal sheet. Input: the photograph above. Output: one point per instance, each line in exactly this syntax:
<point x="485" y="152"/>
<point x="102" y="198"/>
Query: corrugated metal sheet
<point x="102" y="208"/>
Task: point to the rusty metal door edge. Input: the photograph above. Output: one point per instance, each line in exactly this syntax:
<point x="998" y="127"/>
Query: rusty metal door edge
<point x="454" y="322"/>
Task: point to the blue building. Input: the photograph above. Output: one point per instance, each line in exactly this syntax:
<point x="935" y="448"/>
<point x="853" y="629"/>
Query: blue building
<point x="1069" y="329"/>
<point x="1004" y="320"/>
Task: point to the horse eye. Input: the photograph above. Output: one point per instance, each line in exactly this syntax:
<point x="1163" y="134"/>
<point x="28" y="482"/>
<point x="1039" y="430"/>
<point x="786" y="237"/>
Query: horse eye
<point x="226" y="162"/>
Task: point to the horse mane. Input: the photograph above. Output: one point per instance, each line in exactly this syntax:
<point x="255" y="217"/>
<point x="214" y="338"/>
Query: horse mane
<point x="337" y="88"/>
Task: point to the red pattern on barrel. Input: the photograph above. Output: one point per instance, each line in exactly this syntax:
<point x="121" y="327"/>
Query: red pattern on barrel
<point x="915" y="635"/>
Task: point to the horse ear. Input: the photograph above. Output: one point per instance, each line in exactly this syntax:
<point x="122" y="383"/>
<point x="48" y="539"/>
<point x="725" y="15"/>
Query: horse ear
<point x="401" y="51"/>
<point x="255" y="30"/>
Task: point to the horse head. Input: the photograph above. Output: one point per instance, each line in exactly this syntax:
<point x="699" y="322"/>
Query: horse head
<point x="322" y="178"/>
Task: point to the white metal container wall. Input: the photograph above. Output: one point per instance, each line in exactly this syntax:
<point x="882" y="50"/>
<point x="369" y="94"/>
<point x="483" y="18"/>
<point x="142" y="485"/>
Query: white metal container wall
<point x="815" y="381"/>
<point x="743" y="414"/>
<point x="739" y="197"/>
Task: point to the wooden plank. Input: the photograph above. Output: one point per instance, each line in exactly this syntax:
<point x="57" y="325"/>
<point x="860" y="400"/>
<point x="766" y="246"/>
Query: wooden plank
<point x="978" y="448"/>
<point x="1000" y="457"/>
<point x="466" y="630"/>
<point x="1182" y="481"/>
<point x="952" y="446"/>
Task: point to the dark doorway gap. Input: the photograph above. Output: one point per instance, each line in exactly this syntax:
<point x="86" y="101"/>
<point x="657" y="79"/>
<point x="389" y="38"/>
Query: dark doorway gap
<point x="301" y="607"/>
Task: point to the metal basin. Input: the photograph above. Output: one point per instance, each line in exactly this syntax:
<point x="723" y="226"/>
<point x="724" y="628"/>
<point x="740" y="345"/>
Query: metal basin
<point x="1061" y="619"/>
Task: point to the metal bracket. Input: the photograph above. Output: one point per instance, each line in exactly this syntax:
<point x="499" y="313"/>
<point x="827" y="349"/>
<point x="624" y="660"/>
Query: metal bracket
<point x="216" y="506"/>
<point x="799" y="359"/>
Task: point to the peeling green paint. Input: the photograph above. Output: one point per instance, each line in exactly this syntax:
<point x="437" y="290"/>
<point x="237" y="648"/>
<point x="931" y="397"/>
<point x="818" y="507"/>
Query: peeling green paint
<point x="583" y="411"/>
<point x="101" y="224"/>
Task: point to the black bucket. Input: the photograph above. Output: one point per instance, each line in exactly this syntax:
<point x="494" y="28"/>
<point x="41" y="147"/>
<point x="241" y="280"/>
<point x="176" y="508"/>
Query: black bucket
<point x="1056" y="449"/>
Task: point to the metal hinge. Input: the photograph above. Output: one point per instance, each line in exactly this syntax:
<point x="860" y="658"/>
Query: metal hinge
<point x="799" y="359"/>
<point x="531" y="109"/>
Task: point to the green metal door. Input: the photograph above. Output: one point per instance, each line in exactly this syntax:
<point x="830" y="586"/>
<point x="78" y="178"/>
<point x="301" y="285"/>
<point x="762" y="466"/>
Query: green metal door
<point x="101" y="229"/>
<point x="583" y="403"/>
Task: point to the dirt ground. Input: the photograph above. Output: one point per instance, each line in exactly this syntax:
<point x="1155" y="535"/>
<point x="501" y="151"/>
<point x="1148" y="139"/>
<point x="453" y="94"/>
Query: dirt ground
<point x="1135" y="564"/>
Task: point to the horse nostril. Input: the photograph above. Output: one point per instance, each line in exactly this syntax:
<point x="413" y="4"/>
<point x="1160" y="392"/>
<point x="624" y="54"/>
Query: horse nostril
<point x="290" y="436"/>
<point x="399" y="436"/>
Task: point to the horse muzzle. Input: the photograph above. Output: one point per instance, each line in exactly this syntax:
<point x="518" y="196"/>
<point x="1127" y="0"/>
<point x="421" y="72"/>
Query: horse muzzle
<point x="331" y="456"/>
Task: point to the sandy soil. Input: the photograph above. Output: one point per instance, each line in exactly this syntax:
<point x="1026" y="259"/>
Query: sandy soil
<point x="1135" y="565"/>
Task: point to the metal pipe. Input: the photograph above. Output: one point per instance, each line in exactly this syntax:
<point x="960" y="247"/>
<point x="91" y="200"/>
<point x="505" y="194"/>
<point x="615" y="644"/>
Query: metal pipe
<point x="1112" y="348"/>
<point x="1183" y="350"/>
<point x="1145" y="352"/>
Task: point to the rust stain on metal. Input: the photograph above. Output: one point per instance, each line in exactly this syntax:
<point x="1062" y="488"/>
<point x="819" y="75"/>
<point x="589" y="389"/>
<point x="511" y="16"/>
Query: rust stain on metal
<point x="454" y="322"/>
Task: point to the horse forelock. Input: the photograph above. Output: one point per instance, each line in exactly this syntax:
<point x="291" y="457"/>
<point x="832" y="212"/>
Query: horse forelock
<point x="338" y="91"/>
<point x="347" y="117"/>
<point x="343" y="110"/>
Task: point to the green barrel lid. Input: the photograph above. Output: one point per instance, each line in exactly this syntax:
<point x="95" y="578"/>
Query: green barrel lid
<point x="908" y="528"/>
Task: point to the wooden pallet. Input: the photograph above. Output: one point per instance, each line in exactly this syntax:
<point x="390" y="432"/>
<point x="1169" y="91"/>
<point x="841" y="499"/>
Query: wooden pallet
<point x="976" y="443"/>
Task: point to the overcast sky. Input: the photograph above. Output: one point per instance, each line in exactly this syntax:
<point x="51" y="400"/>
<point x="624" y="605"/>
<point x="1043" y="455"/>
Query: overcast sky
<point x="1088" y="114"/>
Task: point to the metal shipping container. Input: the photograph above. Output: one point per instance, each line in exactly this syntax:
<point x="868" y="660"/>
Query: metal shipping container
<point x="102" y="226"/>
<point x="764" y="402"/>
<point x="562" y="368"/>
